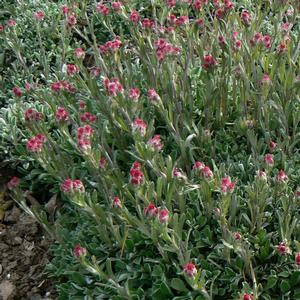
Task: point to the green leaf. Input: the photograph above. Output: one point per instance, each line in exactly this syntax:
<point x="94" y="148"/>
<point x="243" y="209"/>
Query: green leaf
<point x="178" y="284"/>
<point x="272" y="280"/>
<point x="295" y="278"/>
<point x="285" y="286"/>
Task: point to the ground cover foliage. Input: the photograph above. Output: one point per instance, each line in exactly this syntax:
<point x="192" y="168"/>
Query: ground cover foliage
<point x="166" y="136"/>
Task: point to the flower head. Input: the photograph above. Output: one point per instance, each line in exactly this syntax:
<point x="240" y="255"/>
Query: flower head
<point x="62" y="115"/>
<point x="190" y="269"/>
<point x="39" y="15"/>
<point x="151" y="210"/>
<point x="79" y="251"/>
<point x="156" y="143"/>
<point x="227" y="186"/>
<point x="117" y="202"/>
<point x="282" y="177"/>
<point x="13" y="183"/>
<point x="139" y="126"/>
<point x="283" y="249"/>
<point x="163" y="216"/>
<point x="269" y="159"/>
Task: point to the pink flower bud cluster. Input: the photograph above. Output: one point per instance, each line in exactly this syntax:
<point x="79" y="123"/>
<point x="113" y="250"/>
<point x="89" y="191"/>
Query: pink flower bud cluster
<point x="206" y="172"/>
<point x="110" y="46"/>
<point x="136" y="174"/>
<point x="84" y="135"/>
<point x="152" y="211"/>
<point x="164" y="48"/>
<point x="13" y="183"/>
<point x="139" y="126"/>
<point x="72" y="186"/>
<point x="156" y="143"/>
<point x="134" y="94"/>
<point x="88" y="117"/>
<point x="36" y="144"/>
<point x="72" y="69"/>
<point x="62" y="115"/>
<point x="190" y="269"/>
<point x="227" y="186"/>
<point x="33" y="115"/>
<point x="209" y="62"/>
<point x="79" y="251"/>
<point x="113" y="86"/>
<point x="63" y="85"/>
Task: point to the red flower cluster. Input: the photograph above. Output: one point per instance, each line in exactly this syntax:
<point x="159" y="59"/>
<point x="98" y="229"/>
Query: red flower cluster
<point x="134" y="94"/>
<point x="156" y="142"/>
<point x="33" y="115"/>
<point x="17" y="91"/>
<point x="13" y="183"/>
<point x="62" y="115"/>
<point x="72" y="69"/>
<point x="63" y="85"/>
<point x="227" y="186"/>
<point x="139" y="126"/>
<point x="88" y="117"/>
<point x="110" y="46"/>
<point x="209" y="62"/>
<point x="136" y="174"/>
<point x="84" y="135"/>
<point x="117" y="202"/>
<point x="283" y="249"/>
<point x="152" y="211"/>
<point x="36" y="144"/>
<point x="190" y="269"/>
<point x="113" y="86"/>
<point x="164" y="48"/>
<point x="79" y="251"/>
<point x="103" y="9"/>
<point x="72" y="186"/>
<point x="153" y="96"/>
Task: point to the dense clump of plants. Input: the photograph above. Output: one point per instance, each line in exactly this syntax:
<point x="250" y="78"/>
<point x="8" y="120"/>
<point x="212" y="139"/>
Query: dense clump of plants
<point x="167" y="135"/>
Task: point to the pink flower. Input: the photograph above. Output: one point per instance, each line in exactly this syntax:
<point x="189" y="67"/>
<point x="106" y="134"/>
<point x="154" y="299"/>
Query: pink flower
<point x="65" y="9"/>
<point x="134" y="94"/>
<point x="2" y="28"/>
<point x="103" y="9"/>
<point x="136" y="165"/>
<point x="267" y="41"/>
<point x="199" y="166"/>
<point x="102" y="163"/>
<point x="39" y="15"/>
<point x="164" y="48"/>
<point x="163" y="216"/>
<point x="200" y="22"/>
<point x="72" y="186"/>
<point x="33" y="115"/>
<point x="262" y="175"/>
<point x="135" y="16"/>
<point x="171" y="3"/>
<point x="156" y="143"/>
<point x="13" y="183"/>
<point x="272" y="145"/>
<point x="136" y="177"/>
<point x="147" y="23"/>
<point x="117" y="202"/>
<point x="269" y="159"/>
<point x="36" y="144"/>
<point x="282" y="177"/>
<point x="177" y="173"/>
<point x="246" y="17"/>
<point x="151" y="210"/>
<point x="82" y="105"/>
<point x="297" y="193"/>
<point x="207" y="173"/>
<point x="88" y="117"/>
<point x="209" y="61"/>
<point x="237" y="236"/>
<point x="113" y="86"/>
<point x="248" y="297"/>
<point x="153" y="96"/>
<point x="56" y="86"/>
<point x="220" y="13"/>
<point x="198" y="5"/>
<point x="222" y="40"/>
<point x="79" y="251"/>
<point x="227" y="185"/>
<point x="182" y="20"/>
<point x="238" y="45"/>
<point x="62" y="115"/>
<point x="72" y="69"/>
<point x="84" y="135"/>
<point x="266" y="80"/>
<point x="139" y="126"/>
<point x="286" y="26"/>
<point x="228" y="5"/>
<point x="117" y="5"/>
<point x="12" y="23"/>
<point x="111" y="46"/>
<point x="297" y="259"/>
<point x="17" y="91"/>
<point x="72" y="21"/>
<point x="95" y="71"/>
<point x="80" y="53"/>
<point x="190" y="269"/>
<point x="283" y="249"/>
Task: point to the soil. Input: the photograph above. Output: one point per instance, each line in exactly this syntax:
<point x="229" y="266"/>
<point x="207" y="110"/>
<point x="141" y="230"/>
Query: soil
<point x="24" y="253"/>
